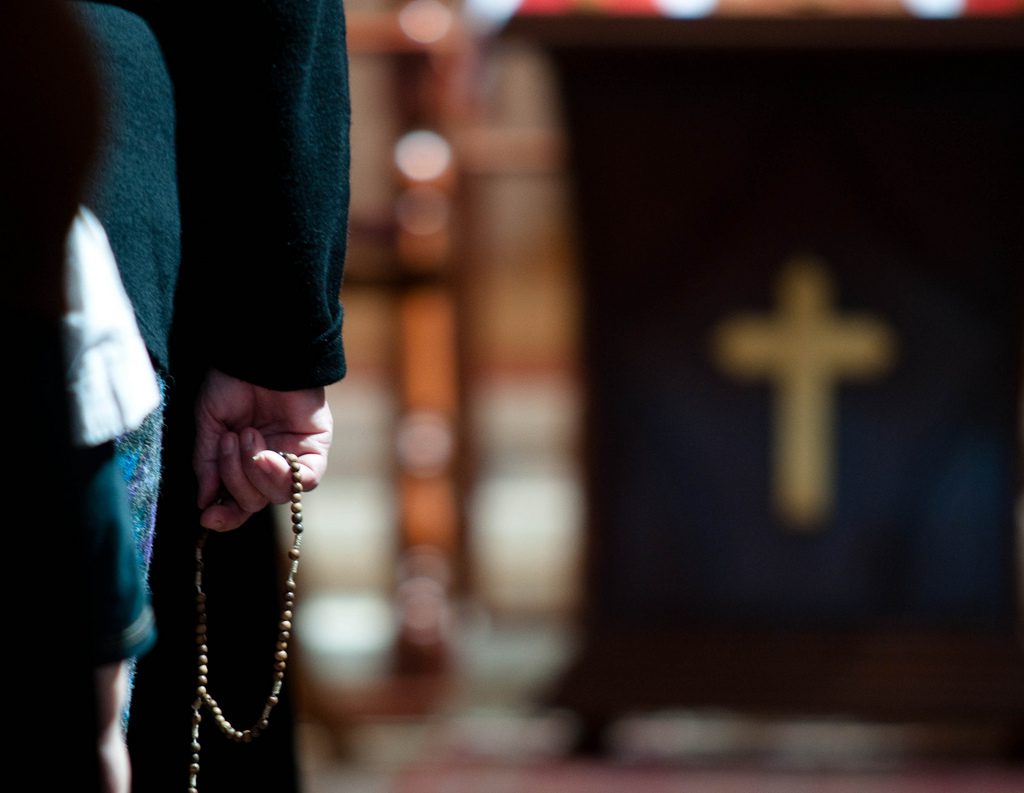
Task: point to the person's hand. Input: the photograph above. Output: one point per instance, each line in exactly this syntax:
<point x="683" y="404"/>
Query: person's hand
<point x="240" y="428"/>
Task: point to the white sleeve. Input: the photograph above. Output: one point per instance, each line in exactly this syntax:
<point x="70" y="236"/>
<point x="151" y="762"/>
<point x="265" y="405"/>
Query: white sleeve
<point x="110" y="378"/>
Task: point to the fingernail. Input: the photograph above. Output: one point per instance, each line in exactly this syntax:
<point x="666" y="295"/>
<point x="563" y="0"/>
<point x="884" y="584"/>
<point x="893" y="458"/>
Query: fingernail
<point x="248" y="439"/>
<point x="228" y="443"/>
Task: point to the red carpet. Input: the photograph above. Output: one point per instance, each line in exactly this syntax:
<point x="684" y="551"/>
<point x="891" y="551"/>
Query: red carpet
<point x="580" y="777"/>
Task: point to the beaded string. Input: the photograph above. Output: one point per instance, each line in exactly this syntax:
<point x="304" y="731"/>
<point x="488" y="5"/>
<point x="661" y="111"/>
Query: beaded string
<point x="203" y="696"/>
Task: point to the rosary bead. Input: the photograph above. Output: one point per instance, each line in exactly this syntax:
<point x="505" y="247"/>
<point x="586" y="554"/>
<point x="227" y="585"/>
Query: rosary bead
<point x="284" y="634"/>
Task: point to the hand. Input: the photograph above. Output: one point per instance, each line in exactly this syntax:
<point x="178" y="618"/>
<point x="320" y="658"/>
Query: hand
<point x="239" y="429"/>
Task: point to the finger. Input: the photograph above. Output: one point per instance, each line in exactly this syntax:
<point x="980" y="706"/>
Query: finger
<point x="204" y="463"/>
<point x="208" y="480"/>
<point x="314" y="466"/>
<point x="266" y="469"/>
<point x="270" y="472"/>
<point x="232" y="474"/>
<point x="270" y="468"/>
<point x="225" y="515"/>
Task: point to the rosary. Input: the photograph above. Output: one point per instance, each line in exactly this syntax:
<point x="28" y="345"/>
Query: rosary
<point x="203" y="696"/>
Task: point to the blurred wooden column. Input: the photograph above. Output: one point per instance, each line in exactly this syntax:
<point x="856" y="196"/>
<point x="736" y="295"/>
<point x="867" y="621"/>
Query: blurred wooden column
<point x="421" y="39"/>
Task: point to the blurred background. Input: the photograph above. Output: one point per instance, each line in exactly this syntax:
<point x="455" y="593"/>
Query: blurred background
<point x="522" y="395"/>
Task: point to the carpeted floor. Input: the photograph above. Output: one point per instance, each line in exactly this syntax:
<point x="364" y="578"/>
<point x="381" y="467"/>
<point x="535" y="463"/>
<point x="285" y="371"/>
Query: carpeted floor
<point x="486" y="736"/>
<point x="577" y="777"/>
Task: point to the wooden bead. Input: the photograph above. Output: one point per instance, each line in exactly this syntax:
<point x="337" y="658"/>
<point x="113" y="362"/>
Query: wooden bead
<point x="284" y="634"/>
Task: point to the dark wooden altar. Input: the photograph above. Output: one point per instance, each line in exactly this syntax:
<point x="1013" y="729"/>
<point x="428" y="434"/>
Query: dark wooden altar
<point x="763" y="538"/>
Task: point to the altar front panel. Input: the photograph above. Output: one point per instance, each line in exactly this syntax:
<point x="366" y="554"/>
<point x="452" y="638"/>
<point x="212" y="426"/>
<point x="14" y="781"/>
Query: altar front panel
<point x="701" y="178"/>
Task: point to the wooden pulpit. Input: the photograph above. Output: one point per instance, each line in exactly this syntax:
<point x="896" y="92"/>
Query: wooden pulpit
<point x="802" y="247"/>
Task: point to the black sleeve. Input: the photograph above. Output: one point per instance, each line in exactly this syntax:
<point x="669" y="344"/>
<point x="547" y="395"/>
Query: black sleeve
<point x="263" y="127"/>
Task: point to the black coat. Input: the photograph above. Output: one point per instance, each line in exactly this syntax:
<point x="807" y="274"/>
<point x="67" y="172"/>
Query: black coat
<point x="223" y="187"/>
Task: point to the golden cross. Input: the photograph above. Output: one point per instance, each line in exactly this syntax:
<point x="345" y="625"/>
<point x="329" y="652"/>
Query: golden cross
<point x="805" y="350"/>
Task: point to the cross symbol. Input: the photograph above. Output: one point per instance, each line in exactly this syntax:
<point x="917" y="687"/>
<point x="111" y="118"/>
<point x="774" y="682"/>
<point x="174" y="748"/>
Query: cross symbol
<point x="805" y="349"/>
